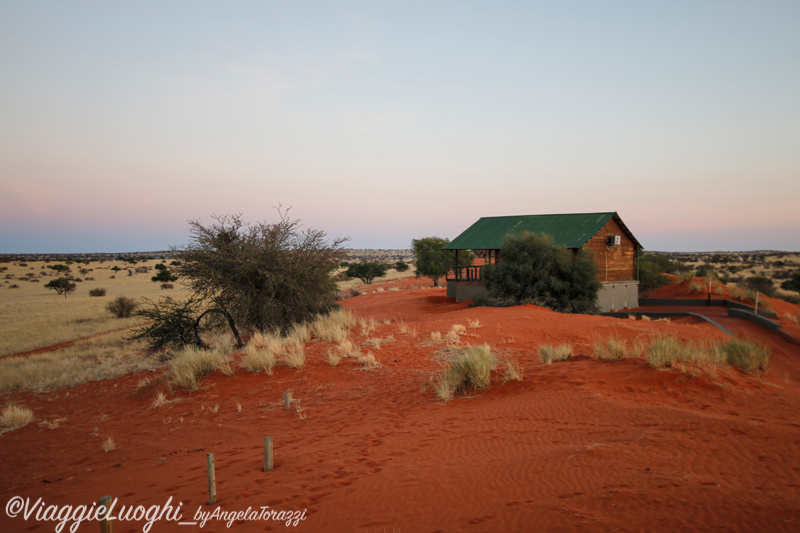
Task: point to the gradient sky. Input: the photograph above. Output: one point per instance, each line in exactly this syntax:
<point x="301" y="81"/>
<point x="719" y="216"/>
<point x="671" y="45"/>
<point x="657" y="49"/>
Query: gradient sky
<point x="388" y="121"/>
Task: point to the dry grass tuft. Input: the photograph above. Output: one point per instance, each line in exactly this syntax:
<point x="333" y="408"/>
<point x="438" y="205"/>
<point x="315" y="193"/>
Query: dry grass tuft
<point x="15" y="417"/>
<point x="191" y="364"/>
<point x="109" y="445"/>
<point x="471" y="369"/>
<point x="160" y="399"/>
<point x="548" y="353"/>
<point x="474" y="324"/>
<point x="261" y="353"/>
<point x="369" y="360"/>
<point x="334" y="326"/>
<point x="367" y="325"/>
<point x="376" y="342"/>
<point x="294" y="356"/>
<point x="612" y="349"/>
<point x="513" y="370"/>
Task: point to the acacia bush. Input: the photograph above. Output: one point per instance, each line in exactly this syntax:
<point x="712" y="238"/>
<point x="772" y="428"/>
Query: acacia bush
<point x="60" y="285"/>
<point x="261" y="277"/>
<point x="366" y="271"/>
<point x="97" y="292"/>
<point x="533" y="270"/>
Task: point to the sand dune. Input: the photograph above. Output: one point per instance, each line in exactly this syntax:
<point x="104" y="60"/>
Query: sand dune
<point x="580" y="445"/>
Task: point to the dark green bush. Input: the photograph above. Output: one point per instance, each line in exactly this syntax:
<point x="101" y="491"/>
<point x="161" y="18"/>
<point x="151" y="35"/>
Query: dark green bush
<point x="164" y="275"/>
<point x="401" y="266"/>
<point x="534" y="270"/>
<point x="366" y="271"/>
<point x="97" y="292"/>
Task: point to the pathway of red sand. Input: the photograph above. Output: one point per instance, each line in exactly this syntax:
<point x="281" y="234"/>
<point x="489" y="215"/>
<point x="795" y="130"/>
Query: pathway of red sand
<point x="580" y="445"/>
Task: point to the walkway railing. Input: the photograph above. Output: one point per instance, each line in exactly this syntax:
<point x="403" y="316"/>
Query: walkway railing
<point x="466" y="273"/>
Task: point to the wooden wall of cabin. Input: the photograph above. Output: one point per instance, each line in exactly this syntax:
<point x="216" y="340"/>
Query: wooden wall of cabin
<point x="614" y="263"/>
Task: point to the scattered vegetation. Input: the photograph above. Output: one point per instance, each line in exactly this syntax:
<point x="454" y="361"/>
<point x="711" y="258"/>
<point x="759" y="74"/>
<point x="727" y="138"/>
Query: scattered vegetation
<point x="97" y="292"/>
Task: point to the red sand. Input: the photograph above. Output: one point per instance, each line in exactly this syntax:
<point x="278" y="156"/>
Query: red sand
<point x="580" y="445"/>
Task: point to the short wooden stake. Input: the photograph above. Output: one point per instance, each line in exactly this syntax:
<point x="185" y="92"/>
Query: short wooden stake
<point x="287" y="399"/>
<point x="755" y="307"/>
<point x="105" y="523"/>
<point x="267" y="454"/>
<point x="212" y="479"/>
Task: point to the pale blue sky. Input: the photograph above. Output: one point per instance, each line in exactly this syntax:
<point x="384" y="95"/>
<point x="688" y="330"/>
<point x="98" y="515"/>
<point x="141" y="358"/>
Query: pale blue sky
<point x="388" y="121"/>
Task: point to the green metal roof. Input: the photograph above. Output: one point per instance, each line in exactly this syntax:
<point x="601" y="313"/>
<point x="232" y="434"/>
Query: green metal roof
<point x="570" y="230"/>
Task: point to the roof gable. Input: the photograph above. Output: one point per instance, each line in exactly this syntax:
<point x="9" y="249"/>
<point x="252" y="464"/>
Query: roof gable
<point x="569" y="230"/>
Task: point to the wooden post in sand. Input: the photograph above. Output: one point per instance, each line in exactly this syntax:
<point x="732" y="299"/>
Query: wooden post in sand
<point x="755" y="308"/>
<point x="212" y="479"/>
<point x="267" y="454"/>
<point x="287" y="399"/>
<point x="105" y="523"/>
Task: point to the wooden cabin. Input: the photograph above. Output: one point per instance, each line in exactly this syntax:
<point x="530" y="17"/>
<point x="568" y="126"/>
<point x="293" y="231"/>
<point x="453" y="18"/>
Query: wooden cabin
<point x="612" y="245"/>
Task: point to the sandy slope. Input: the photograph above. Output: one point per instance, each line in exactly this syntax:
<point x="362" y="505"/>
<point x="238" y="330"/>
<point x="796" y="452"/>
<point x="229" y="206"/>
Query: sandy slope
<point x="580" y="445"/>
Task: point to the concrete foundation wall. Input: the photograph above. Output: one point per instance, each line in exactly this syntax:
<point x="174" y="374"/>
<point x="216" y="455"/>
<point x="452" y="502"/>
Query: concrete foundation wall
<point x="612" y="296"/>
<point x="463" y="291"/>
<point x="618" y="295"/>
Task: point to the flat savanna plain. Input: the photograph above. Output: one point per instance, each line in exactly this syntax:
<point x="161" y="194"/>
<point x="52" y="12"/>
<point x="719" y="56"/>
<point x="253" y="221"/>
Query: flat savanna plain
<point x="578" y="445"/>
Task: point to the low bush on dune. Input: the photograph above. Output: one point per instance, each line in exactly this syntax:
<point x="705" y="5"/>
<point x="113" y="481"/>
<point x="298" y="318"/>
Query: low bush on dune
<point x="747" y="355"/>
<point x="471" y="369"/>
<point x="97" y="292"/>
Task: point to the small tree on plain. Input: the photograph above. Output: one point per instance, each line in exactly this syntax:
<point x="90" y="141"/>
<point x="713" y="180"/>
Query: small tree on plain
<point x="61" y="286"/>
<point x="432" y="260"/>
<point x="366" y="271"/>
<point x="401" y="266"/>
<point x="535" y="270"/>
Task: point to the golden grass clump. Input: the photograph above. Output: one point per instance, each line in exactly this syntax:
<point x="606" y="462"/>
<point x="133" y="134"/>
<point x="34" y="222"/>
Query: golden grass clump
<point x="333" y="326"/>
<point x="612" y="349"/>
<point x="294" y="356"/>
<point x="471" y="369"/>
<point x="193" y="363"/>
<point x="334" y="357"/>
<point x="367" y="325"/>
<point x="261" y="353"/>
<point x="369" y="360"/>
<point x="15" y="417"/>
<point x="474" y="324"/>
<point x="513" y="370"/>
<point x="109" y="445"/>
<point x="548" y="353"/>
<point x="686" y="276"/>
<point x="298" y="334"/>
